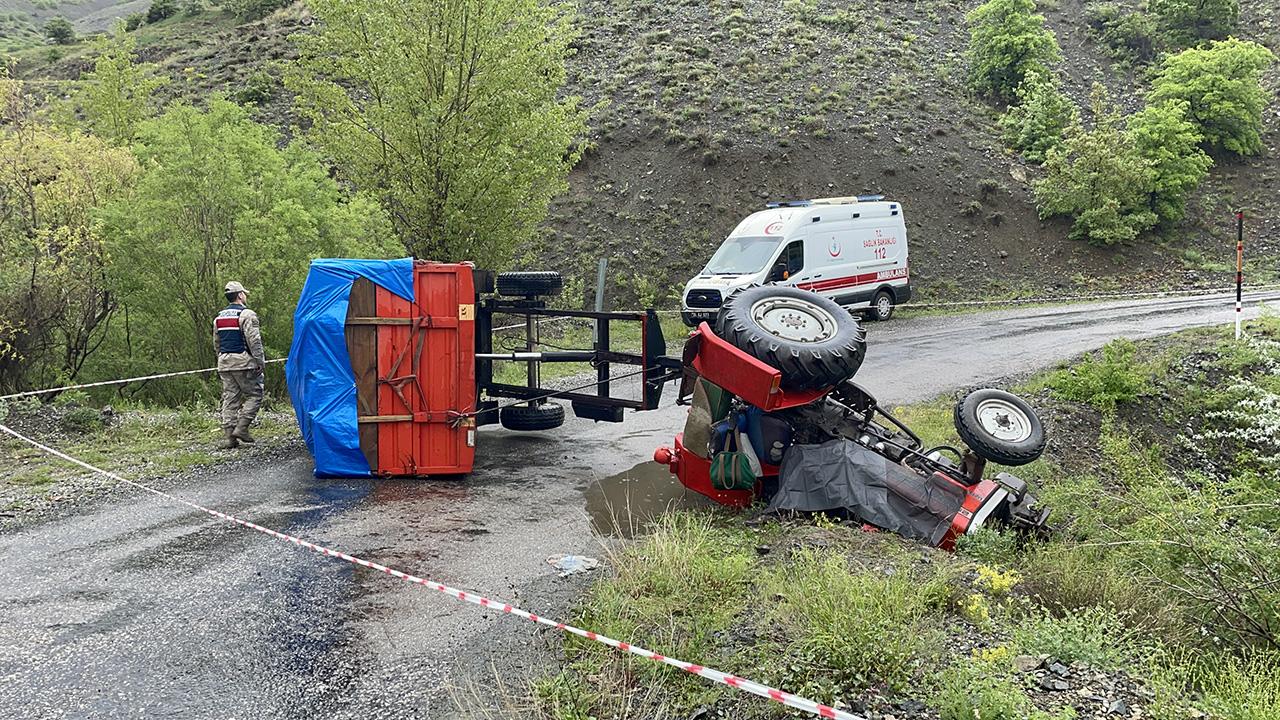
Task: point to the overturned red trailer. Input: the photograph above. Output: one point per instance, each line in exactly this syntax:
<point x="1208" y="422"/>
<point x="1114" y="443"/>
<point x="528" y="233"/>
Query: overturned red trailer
<point x="391" y="368"/>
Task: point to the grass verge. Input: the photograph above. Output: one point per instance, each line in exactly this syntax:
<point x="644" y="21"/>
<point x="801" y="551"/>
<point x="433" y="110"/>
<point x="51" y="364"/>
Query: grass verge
<point x="138" y="440"/>
<point x="1155" y="597"/>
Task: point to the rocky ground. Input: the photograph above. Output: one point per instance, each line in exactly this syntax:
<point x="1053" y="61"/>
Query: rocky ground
<point x="702" y="111"/>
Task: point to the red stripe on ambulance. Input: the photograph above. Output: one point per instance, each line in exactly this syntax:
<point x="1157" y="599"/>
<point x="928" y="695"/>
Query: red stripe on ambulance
<point x="855" y="280"/>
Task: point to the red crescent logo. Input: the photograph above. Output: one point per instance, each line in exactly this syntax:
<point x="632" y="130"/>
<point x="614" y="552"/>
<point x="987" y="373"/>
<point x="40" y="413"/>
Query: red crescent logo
<point x="773" y="228"/>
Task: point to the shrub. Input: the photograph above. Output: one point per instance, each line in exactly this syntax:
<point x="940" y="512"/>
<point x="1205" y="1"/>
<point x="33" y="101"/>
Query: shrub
<point x="161" y="9"/>
<point x="1095" y="636"/>
<point x="254" y="9"/>
<point x="1114" y="376"/>
<point x="1007" y="39"/>
<point x="1221" y="84"/>
<point x="1128" y="35"/>
<point x="1162" y="135"/>
<point x="258" y="88"/>
<point x="1197" y="19"/>
<point x="134" y="21"/>
<point x="1244" y="412"/>
<point x="59" y="30"/>
<point x="1096" y="177"/>
<point x="81" y="421"/>
<point x="1041" y="116"/>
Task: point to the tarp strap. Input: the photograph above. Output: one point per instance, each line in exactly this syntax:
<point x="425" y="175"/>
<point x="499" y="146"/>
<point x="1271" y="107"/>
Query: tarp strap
<point x="397" y="382"/>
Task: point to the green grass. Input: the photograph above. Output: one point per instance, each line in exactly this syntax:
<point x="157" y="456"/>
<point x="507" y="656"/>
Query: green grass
<point x="142" y="441"/>
<point x="1228" y="687"/>
<point x="1114" y="375"/>
<point x="676" y="592"/>
<point x="831" y="613"/>
<point x="975" y="688"/>
<point x="1095" y="636"/>
<point x="848" y="628"/>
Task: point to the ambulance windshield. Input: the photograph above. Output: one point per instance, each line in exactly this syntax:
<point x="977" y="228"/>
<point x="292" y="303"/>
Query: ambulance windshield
<point x="742" y="255"/>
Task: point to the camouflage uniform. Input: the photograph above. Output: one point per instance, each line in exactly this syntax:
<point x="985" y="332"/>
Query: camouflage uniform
<point x="240" y="367"/>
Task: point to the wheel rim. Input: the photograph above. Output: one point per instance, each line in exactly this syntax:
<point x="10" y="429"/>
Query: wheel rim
<point x="1003" y="420"/>
<point x="884" y="306"/>
<point x="794" y="319"/>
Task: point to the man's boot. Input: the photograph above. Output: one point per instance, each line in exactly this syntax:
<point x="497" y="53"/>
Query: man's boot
<point x="229" y="440"/>
<point x="241" y="432"/>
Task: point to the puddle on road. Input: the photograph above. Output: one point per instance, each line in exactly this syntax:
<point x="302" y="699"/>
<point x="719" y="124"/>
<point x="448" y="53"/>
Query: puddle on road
<point x="625" y="504"/>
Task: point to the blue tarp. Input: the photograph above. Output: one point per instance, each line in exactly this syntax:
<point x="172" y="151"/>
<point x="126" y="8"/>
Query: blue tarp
<point x="321" y="383"/>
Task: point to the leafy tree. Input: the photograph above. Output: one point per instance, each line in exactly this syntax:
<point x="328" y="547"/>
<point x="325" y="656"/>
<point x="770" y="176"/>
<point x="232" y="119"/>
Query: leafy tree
<point x="1097" y="177"/>
<point x="1162" y="135"/>
<point x="449" y="111"/>
<point x="116" y="94"/>
<point x="1007" y="39"/>
<point x="55" y="305"/>
<point x="59" y="30"/>
<point x="1197" y="18"/>
<point x="161" y="9"/>
<point x="1042" y="114"/>
<point x="219" y="199"/>
<point x="1221" y="84"/>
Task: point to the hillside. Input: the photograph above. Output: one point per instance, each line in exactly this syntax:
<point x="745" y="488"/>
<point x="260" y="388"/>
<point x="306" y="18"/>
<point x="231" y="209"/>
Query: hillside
<point x="705" y="109"/>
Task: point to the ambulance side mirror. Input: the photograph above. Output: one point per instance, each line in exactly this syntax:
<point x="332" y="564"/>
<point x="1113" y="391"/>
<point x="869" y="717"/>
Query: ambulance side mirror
<point x="779" y="272"/>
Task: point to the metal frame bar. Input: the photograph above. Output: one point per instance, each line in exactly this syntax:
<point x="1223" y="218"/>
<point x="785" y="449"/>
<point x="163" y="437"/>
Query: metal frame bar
<point x="656" y="374"/>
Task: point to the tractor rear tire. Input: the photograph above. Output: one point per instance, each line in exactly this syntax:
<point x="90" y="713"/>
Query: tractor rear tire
<point x="1000" y="427"/>
<point x="530" y="284"/>
<point x="814" y="342"/>
<point x="544" y="416"/>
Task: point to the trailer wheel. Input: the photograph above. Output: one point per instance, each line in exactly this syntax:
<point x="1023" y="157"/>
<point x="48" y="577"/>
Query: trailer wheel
<point x="544" y="416"/>
<point x="530" y="284"/>
<point x="1000" y="427"/>
<point x="881" y="306"/>
<point x="813" y="341"/>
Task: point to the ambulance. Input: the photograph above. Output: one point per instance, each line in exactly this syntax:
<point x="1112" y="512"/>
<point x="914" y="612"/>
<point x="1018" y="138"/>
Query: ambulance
<point x="850" y="249"/>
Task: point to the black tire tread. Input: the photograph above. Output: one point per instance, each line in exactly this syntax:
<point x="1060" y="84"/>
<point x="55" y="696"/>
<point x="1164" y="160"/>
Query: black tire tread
<point x="545" y="416"/>
<point x="803" y="367"/>
<point x="993" y="449"/>
<point x="529" y="283"/>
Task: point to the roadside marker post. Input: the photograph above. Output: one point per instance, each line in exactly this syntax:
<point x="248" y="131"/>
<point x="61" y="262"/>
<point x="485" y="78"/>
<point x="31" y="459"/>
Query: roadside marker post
<point x="1239" y="266"/>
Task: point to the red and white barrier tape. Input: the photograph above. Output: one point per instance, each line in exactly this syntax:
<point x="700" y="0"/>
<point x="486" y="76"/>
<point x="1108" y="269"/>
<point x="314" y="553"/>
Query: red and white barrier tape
<point x="124" y="381"/>
<point x="764" y="691"/>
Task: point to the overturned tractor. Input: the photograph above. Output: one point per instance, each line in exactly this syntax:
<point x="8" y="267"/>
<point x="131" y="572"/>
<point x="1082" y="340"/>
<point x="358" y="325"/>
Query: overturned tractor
<point x="775" y="417"/>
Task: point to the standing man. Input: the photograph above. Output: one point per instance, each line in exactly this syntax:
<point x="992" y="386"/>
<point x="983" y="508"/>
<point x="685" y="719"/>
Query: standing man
<point x="240" y="366"/>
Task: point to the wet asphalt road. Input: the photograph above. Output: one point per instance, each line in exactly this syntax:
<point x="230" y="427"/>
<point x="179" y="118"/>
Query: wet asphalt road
<point x="136" y="608"/>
